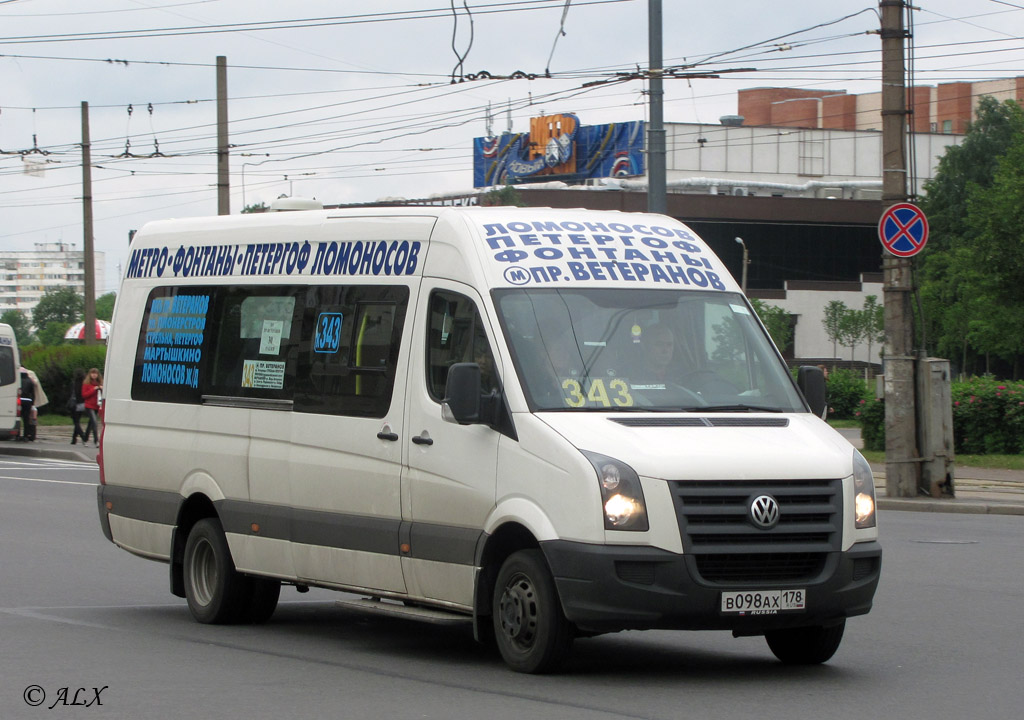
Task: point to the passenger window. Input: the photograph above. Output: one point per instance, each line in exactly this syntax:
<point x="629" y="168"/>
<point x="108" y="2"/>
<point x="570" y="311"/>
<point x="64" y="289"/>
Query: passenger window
<point x="327" y="349"/>
<point x="349" y="355"/>
<point x="456" y="334"/>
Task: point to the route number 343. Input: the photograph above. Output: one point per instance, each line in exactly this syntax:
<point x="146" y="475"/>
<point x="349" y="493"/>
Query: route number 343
<point x="616" y="393"/>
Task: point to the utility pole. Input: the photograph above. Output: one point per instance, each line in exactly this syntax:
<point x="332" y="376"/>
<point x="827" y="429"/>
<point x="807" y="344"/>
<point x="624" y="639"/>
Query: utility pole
<point x="746" y="261"/>
<point x="902" y="469"/>
<point x="656" y="200"/>
<point x="223" y="180"/>
<point x="89" y="333"/>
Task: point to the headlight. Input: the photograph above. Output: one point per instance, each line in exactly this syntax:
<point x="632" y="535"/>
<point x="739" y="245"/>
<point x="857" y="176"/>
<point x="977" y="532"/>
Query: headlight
<point x="863" y="492"/>
<point x="621" y="495"/>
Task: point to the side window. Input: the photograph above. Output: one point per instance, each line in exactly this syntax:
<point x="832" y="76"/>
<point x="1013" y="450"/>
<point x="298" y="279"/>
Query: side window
<point x="174" y="340"/>
<point x="256" y="343"/>
<point x="328" y="349"/>
<point x="7" y="373"/>
<point x="349" y="352"/>
<point x="456" y="334"/>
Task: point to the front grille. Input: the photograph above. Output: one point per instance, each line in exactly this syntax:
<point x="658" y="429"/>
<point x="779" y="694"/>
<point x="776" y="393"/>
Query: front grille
<point x="717" y="530"/>
<point x="768" y="567"/>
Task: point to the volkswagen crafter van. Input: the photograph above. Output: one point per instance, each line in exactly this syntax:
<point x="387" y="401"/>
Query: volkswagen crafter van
<point x="548" y="423"/>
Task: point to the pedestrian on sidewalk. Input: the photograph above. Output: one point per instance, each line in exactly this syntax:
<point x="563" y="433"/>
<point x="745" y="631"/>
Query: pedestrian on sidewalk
<point x="28" y="399"/>
<point x="33" y="397"/>
<point x="91" y="394"/>
<point x="76" y="405"/>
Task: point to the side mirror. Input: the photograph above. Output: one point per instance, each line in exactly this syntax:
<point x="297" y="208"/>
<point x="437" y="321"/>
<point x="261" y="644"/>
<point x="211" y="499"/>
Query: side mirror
<point x="462" y="401"/>
<point x="811" y="381"/>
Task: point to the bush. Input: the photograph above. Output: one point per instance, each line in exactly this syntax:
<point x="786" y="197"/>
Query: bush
<point x="988" y="416"/>
<point x="846" y="391"/>
<point x="56" y="366"/>
<point x="871" y="414"/>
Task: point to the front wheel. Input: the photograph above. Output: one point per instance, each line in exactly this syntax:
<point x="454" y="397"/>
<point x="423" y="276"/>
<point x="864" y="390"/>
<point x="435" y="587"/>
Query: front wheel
<point x="806" y="645"/>
<point x="530" y="630"/>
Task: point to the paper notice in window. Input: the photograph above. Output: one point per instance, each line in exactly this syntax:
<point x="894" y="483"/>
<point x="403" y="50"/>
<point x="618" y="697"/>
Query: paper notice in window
<point x="270" y="340"/>
<point x="264" y="374"/>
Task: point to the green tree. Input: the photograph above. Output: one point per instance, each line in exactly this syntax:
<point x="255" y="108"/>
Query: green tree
<point x="833" y="320"/>
<point x="873" y="318"/>
<point x="507" y="195"/>
<point x="971" y="163"/>
<point x="58" y="305"/>
<point x="971" y="274"/>
<point x="851" y="329"/>
<point x="53" y="333"/>
<point x="21" y="325"/>
<point x="255" y="208"/>
<point x="105" y="306"/>
<point x="777" y="321"/>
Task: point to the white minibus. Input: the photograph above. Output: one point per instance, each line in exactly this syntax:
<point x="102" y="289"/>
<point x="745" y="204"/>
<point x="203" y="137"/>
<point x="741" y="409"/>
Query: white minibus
<point x="10" y="383"/>
<point x="544" y="423"/>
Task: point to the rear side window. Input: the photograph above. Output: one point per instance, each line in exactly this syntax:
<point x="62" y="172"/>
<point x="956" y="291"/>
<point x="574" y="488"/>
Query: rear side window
<point x="7" y="374"/>
<point x="322" y="349"/>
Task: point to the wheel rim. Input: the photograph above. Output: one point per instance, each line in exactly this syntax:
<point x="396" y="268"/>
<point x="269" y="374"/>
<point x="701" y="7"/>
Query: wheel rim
<point x="519" y="612"/>
<point x="203" y="572"/>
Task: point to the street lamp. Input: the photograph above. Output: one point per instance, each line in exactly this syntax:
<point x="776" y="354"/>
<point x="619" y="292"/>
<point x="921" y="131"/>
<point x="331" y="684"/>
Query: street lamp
<point x="746" y="261"/>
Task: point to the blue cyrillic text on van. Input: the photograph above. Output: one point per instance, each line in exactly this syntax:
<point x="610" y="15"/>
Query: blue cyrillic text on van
<point x="284" y="258"/>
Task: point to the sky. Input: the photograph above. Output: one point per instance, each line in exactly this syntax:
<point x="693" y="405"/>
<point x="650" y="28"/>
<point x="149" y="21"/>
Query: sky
<point x="358" y="101"/>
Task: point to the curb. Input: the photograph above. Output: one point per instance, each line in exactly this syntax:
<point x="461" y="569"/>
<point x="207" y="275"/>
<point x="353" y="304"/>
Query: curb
<point x="43" y="451"/>
<point x="967" y="507"/>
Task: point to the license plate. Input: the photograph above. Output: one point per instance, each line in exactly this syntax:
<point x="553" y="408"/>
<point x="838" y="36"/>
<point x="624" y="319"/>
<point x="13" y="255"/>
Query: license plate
<point x="764" y="602"/>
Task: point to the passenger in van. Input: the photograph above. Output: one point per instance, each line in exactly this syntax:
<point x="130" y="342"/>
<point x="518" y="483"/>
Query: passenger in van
<point x="91" y="389"/>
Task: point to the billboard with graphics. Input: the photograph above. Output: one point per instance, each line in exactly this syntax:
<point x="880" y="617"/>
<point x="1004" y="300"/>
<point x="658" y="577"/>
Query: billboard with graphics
<point x="559" y="148"/>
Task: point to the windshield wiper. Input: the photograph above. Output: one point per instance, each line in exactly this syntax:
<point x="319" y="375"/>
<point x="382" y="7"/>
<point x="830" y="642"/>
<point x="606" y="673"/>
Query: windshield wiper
<point x="740" y="408"/>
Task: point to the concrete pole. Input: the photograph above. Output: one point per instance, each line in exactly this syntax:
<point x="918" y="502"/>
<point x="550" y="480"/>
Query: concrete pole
<point x="902" y="469"/>
<point x="88" y="251"/>
<point x="223" y="178"/>
<point x="656" y="199"/>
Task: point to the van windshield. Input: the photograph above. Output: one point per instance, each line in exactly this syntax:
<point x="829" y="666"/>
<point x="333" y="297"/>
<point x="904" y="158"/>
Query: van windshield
<point x="642" y="350"/>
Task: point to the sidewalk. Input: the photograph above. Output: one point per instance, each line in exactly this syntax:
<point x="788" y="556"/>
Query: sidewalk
<point x="982" y="491"/>
<point x="52" y="441"/>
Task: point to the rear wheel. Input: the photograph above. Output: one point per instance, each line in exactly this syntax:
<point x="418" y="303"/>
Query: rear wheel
<point x="806" y="645"/>
<point x="215" y="591"/>
<point x="530" y="630"/>
<point x="262" y="599"/>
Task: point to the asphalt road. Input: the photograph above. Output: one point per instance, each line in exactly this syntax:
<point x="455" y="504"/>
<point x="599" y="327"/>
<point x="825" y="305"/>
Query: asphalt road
<point x="944" y="640"/>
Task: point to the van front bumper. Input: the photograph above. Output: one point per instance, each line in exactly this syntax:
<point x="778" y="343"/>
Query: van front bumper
<point x="608" y="588"/>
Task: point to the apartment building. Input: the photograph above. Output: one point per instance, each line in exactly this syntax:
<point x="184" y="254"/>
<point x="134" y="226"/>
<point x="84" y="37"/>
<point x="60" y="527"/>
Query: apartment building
<point x="25" y="275"/>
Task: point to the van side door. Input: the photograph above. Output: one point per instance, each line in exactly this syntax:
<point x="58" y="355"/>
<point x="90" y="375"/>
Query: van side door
<point x="345" y="447"/>
<point x="448" y="486"/>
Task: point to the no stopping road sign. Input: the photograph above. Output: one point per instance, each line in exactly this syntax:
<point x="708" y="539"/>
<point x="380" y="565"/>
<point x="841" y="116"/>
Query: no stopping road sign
<point x="903" y="229"/>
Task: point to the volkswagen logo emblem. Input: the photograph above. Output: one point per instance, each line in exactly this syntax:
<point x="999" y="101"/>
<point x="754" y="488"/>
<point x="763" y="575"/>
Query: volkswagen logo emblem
<point x="764" y="512"/>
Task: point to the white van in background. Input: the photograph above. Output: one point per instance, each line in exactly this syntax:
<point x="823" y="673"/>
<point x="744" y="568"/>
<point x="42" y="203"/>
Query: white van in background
<point x="10" y="384"/>
<point x="547" y="423"/>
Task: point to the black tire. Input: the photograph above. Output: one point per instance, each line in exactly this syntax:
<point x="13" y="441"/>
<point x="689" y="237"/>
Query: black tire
<point x="806" y="645"/>
<point x="263" y="597"/>
<point x="215" y="591"/>
<point x="530" y="629"/>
